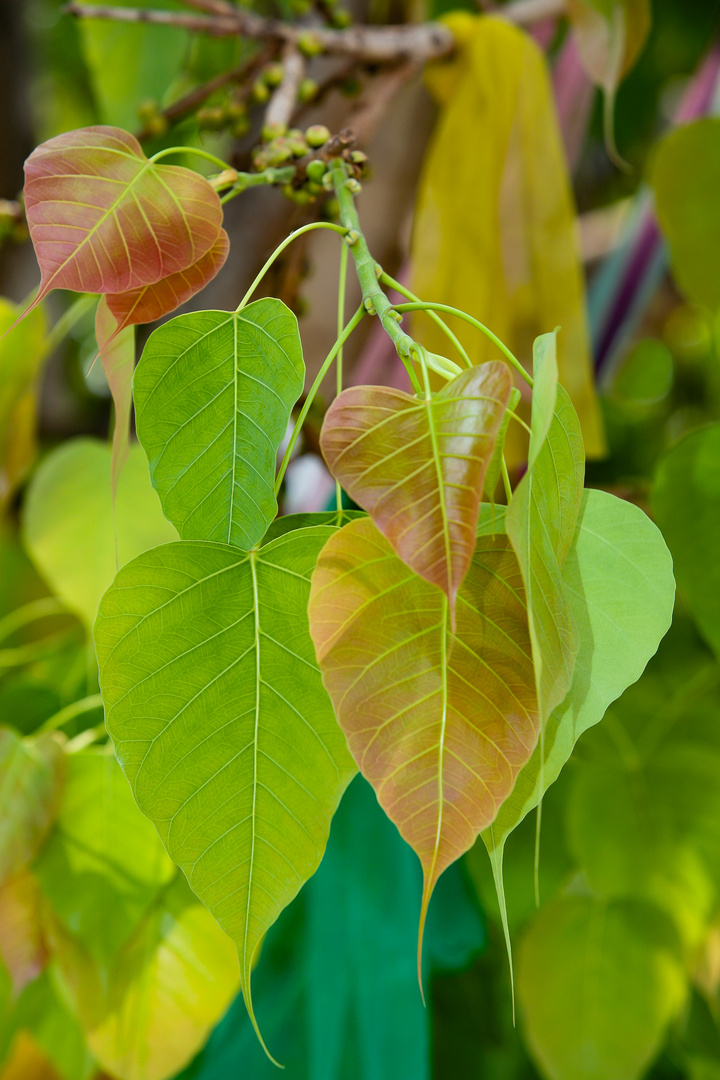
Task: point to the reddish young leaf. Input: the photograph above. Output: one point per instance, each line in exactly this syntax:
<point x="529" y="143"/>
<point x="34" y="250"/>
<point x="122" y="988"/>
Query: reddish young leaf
<point x="103" y="218"/>
<point x="154" y="301"/>
<point x="439" y="723"/>
<point x="417" y="466"/>
<point x="117" y="355"/>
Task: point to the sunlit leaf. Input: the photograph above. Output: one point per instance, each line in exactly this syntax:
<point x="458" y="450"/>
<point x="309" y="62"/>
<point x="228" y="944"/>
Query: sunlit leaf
<point x="540" y="523"/>
<point x="439" y="723"/>
<point x="21" y="354"/>
<point x="117" y="354"/>
<point x="103" y="218"/>
<point x="154" y="301"/>
<point x="31" y="773"/>
<point x="686" y="502"/>
<point x="104" y="864"/>
<point x="620" y="589"/>
<point x="687" y="206"/>
<point x="494" y="231"/>
<point x="220" y="721"/>
<point x="68" y="521"/>
<point x="417" y="466"/>
<point x="598" y="983"/>
<point x="213" y="394"/>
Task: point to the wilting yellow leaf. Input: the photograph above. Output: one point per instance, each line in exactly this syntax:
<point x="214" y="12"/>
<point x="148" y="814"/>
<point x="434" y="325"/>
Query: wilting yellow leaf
<point x="495" y="230"/>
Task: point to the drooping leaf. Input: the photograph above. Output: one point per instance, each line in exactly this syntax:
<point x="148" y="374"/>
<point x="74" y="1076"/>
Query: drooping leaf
<point x="117" y="354"/>
<point x="68" y="521"/>
<point x="417" y="466"/>
<point x="620" y="588"/>
<point x="687" y="206"/>
<point x="439" y="723"/>
<point x="494" y="231"/>
<point x="21" y="355"/>
<point x="686" y="502"/>
<point x="540" y="523"/>
<point x="492" y="476"/>
<point x="131" y="63"/>
<point x="104" y="864"/>
<point x="213" y="394"/>
<point x="154" y="301"/>
<point x="222" y="724"/>
<point x="103" y="218"/>
<point x="31" y="774"/>
<point x="610" y="36"/>
<point x="598" y="984"/>
<point x="22" y="949"/>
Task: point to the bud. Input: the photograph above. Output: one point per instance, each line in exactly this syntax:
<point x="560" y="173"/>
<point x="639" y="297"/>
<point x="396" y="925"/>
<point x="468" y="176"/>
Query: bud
<point x="317" y="135"/>
<point x="212" y="118"/>
<point x="298" y="146"/>
<point x="307" y="91"/>
<point x="260" y="93"/>
<point x="340" y="19"/>
<point x="316" y="171"/>
<point x="308" y="44"/>
<point x="273" y="131"/>
<point x="331" y="210"/>
<point x="272" y="74"/>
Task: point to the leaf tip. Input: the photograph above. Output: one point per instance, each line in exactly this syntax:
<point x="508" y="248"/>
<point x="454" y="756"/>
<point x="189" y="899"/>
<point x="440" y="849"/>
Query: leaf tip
<point x="247" y="995"/>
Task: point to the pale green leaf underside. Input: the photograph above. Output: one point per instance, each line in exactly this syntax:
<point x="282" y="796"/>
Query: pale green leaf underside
<point x="620" y="589"/>
<point x="213" y="394"/>
<point x="220" y="720"/>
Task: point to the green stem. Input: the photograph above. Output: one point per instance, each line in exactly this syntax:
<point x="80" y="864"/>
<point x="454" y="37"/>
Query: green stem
<point x="77" y="708"/>
<point x="374" y="299"/>
<point x="68" y="320"/>
<point x="313" y="391"/>
<point x="279" y="250"/>
<point x="513" y="416"/>
<point x="510" y="357"/>
<point x="342" y="282"/>
<point x="393" y="284"/>
<point x="247" y="180"/>
<point x="85" y="739"/>
<point x="29" y="613"/>
<point x="506" y="479"/>
<point x="191" y="150"/>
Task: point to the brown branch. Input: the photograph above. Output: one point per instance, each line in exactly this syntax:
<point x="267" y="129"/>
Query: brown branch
<point x="369" y="112"/>
<point x="282" y="103"/>
<point x="213" y="7"/>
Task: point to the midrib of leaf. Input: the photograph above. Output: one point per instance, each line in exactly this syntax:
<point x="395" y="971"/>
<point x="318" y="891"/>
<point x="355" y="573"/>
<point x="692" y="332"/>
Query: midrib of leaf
<point x="234" y="449"/>
<point x="443" y="506"/>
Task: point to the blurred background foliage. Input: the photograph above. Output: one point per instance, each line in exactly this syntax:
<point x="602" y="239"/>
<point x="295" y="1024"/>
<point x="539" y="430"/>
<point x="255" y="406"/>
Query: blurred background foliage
<point x="109" y="967"/>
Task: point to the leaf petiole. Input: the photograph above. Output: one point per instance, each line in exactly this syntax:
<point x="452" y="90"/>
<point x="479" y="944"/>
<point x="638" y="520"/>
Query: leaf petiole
<point x="393" y="284"/>
<point x="196" y="150"/>
<point x="281" y="247"/>
<point x="342" y="283"/>
<point x="313" y="391"/>
<point x="77" y="708"/>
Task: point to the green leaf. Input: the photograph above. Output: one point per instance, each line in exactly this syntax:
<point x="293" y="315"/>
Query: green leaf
<point x="540" y="523"/>
<point x="685" y="174"/>
<point x="220" y="721"/>
<point x="418" y="465"/>
<point x="68" y="521"/>
<point x="686" y="502"/>
<point x="213" y="395"/>
<point x="31" y="773"/>
<point x="53" y="1027"/>
<point x="439" y="723"/>
<point x="492" y="476"/>
<point x="610" y="35"/>
<point x="620" y="588"/>
<point x="598" y="983"/>
<point x="21" y="357"/>
<point x="104" y="864"/>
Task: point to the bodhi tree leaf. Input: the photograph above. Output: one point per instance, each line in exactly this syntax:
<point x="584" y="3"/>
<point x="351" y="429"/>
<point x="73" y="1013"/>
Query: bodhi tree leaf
<point x="104" y="864"/>
<point x="213" y="395"/>
<point x="104" y="218"/>
<point x="492" y="476"/>
<point x="687" y="207"/>
<point x="154" y="301"/>
<point x="117" y="354"/>
<point x="540" y="523"/>
<point x="439" y="723"/>
<point x="494" y="230"/>
<point x="620" y="588"/>
<point x="31" y="773"/>
<point x="418" y="465"/>
<point x="68" y="521"/>
<point x="598" y="983"/>
<point x="219" y="718"/>
<point x="686" y="502"/>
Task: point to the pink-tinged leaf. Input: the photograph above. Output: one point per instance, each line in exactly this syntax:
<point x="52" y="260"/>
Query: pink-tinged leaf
<point x="417" y="466"/>
<point x="152" y="302"/>
<point x="117" y="354"/>
<point x="22" y="947"/>
<point x="440" y="723"/>
<point x="103" y="218"/>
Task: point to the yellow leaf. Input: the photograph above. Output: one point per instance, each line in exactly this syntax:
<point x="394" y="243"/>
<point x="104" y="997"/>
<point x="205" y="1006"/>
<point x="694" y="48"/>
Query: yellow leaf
<point x="495" y="230"/>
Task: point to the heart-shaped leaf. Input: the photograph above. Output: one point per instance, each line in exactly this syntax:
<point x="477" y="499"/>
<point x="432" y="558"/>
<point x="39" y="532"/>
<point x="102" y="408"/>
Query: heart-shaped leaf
<point x="213" y="395"/>
<point x="417" y="465"/>
<point x="439" y="723"/>
<point x="220" y="720"/>
<point x="103" y="218"/>
<point x="152" y="302"/>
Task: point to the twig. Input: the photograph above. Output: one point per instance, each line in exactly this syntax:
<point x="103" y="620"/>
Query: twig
<point x="282" y="103"/>
<point x="213" y="7"/>
<point x="527" y="12"/>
